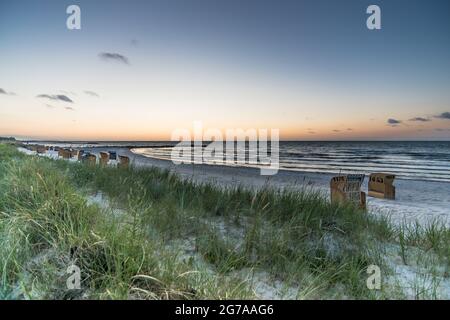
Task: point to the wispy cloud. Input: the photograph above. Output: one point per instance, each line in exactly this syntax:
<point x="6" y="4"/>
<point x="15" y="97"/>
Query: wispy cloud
<point x="134" y="42"/>
<point x="55" y="97"/>
<point x="444" y="115"/>
<point x="3" y="91"/>
<point x="49" y="106"/>
<point x="393" y="122"/>
<point x="92" y="93"/>
<point x="420" y="119"/>
<point x="113" y="56"/>
<point x="349" y="129"/>
<point x="336" y="130"/>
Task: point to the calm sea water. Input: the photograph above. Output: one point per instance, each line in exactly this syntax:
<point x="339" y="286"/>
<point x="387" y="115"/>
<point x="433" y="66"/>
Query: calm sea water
<point x="408" y="160"/>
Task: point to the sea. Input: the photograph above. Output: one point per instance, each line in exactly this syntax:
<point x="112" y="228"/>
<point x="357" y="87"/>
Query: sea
<point x="418" y="160"/>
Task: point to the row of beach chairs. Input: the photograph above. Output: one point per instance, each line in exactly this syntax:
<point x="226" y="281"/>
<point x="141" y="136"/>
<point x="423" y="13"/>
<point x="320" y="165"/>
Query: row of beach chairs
<point x="104" y="159"/>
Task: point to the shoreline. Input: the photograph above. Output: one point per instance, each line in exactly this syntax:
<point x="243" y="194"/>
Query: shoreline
<point x="417" y="200"/>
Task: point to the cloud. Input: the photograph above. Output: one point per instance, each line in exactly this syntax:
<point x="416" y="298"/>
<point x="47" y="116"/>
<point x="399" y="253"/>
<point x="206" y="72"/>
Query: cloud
<point x="336" y="130"/>
<point x="420" y="119"/>
<point x="91" y="93"/>
<point x="113" y="56"/>
<point x="49" y="106"/>
<point x="3" y="91"/>
<point x="349" y="129"/>
<point x="134" y="42"/>
<point x="393" y="122"/>
<point x="444" y="115"/>
<point x="56" y="97"/>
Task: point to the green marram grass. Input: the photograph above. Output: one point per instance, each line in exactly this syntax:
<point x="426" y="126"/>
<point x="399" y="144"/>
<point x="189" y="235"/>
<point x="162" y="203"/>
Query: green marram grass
<point x="158" y="236"/>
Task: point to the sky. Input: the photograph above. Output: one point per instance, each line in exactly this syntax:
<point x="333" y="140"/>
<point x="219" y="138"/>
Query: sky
<point x="138" y="70"/>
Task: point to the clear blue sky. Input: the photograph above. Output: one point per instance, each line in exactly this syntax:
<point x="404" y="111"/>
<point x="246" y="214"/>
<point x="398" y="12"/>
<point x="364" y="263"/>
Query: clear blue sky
<point x="310" y="68"/>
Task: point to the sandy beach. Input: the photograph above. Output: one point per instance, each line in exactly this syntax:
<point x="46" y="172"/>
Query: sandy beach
<point x="416" y="201"/>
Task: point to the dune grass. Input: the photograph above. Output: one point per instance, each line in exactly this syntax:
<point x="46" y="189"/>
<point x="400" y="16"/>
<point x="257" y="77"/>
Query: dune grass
<point x="172" y="238"/>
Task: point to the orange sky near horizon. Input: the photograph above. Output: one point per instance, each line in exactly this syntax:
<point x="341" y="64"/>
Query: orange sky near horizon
<point x="92" y="129"/>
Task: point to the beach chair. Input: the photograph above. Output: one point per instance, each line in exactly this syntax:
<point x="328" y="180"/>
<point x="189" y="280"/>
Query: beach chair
<point x="65" y="153"/>
<point x="104" y="158"/>
<point x="124" y="162"/>
<point x="381" y="186"/>
<point x="71" y="153"/>
<point x="89" y="158"/>
<point x="80" y="154"/>
<point x="347" y="189"/>
<point x="41" y="149"/>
